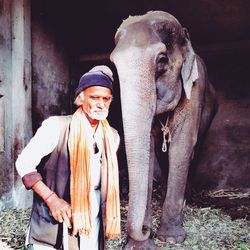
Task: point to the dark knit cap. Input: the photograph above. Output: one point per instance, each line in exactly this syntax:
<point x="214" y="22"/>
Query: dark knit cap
<point x="97" y="76"/>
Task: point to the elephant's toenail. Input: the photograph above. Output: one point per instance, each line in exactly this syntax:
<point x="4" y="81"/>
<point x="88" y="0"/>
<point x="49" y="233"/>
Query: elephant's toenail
<point x="171" y="240"/>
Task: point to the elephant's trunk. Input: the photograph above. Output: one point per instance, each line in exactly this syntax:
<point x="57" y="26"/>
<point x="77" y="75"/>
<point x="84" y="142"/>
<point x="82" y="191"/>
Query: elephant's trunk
<point x="138" y="107"/>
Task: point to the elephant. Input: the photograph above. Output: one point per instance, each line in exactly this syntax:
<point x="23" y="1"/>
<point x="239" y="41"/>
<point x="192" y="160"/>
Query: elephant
<point x="165" y="93"/>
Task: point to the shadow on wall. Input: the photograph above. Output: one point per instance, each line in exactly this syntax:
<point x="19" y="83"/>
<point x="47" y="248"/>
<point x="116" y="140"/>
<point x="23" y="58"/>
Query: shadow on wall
<point x="224" y="161"/>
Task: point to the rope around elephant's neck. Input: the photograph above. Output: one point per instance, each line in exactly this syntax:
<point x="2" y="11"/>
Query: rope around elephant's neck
<point x="166" y="135"/>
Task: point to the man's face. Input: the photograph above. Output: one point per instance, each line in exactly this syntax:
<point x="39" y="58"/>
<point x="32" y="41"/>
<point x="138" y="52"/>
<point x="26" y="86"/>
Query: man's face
<point x="96" y="102"/>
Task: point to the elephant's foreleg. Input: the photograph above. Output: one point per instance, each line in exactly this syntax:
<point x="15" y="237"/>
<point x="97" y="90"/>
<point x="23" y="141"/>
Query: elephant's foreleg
<point x="171" y="229"/>
<point x="171" y="221"/>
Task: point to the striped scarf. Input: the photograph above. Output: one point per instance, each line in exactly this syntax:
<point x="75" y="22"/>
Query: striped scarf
<point x="79" y="150"/>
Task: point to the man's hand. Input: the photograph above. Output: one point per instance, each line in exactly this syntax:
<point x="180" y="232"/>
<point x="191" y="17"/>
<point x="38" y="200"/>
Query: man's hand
<point x="59" y="209"/>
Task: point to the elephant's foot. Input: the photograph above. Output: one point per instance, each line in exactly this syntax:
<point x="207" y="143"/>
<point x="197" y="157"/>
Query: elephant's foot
<point x="171" y="234"/>
<point x="140" y="245"/>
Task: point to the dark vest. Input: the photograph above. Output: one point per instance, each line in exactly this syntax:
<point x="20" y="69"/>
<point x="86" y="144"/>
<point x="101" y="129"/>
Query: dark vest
<point x="55" y="171"/>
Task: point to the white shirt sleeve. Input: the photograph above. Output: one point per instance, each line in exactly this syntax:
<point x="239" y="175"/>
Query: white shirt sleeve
<point x="43" y="143"/>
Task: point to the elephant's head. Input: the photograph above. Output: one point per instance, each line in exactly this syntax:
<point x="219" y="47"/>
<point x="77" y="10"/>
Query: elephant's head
<point x="155" y="63"/>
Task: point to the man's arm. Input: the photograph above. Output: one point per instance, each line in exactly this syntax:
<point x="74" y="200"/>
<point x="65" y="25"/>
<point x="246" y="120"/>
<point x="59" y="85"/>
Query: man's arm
<point x="43" y="143"/>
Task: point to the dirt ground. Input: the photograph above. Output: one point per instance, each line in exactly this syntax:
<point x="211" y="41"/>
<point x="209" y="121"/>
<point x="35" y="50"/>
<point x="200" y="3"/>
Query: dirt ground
<point x="212" y="220"/>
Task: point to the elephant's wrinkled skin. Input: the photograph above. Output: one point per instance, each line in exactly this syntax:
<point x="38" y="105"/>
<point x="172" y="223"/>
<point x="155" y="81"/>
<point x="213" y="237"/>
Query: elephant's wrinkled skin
<point x="161" y="78"/>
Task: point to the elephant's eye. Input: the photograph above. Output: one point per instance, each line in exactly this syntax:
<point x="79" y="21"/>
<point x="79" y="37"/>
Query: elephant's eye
<point x="162" y="59"/>
<point x="161" y="62"/>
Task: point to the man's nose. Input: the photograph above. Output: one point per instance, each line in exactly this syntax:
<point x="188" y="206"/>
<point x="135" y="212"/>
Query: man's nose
<point x="100" y="103"/>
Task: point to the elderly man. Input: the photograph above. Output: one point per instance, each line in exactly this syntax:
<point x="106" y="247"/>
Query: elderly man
<point x="71" y="166"/>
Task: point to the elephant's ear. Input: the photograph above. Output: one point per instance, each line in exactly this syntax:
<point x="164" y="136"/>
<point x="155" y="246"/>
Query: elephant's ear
<point x="189" y="71"/>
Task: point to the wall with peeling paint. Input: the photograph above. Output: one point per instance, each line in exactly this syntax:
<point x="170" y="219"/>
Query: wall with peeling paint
<point x="6" y="178"/>
<point x="23" y="107"/>
<point x="15" y="89"/>
<point x="50" y="72"/>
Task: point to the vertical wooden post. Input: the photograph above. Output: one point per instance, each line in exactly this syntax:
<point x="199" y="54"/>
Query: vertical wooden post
<point x="21" y="87"/>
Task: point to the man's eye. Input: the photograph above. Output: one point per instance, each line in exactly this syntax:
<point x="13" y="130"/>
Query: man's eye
<point x="94" y="97"/>
<point x="107" y="99"/>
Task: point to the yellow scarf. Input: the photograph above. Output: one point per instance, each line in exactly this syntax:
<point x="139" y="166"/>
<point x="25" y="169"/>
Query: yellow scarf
<point x="79" y="151"/>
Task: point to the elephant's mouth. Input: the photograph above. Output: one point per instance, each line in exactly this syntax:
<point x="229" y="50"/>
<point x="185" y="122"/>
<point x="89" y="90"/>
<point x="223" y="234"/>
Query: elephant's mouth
<point x="167" y="99"/>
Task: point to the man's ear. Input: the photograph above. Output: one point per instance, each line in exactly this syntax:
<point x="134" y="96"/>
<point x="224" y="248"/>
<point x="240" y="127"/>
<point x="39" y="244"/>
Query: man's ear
<point x="79" y="99"/>
<point x="189" y="71"/>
